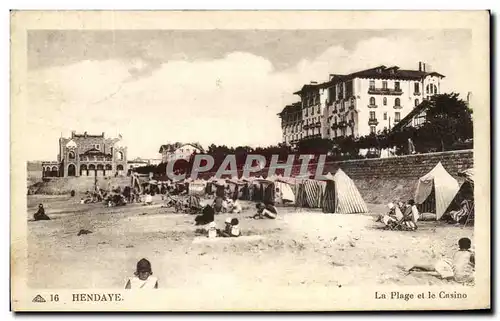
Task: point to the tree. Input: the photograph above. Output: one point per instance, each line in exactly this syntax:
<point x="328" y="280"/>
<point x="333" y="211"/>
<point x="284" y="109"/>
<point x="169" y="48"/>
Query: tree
<point x="448" y="120"/>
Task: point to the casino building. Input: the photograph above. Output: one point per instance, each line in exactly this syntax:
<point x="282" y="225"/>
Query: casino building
<point x="89" y="155"/>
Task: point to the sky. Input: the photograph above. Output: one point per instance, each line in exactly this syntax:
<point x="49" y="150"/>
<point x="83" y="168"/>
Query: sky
<point x="223" y="86"/>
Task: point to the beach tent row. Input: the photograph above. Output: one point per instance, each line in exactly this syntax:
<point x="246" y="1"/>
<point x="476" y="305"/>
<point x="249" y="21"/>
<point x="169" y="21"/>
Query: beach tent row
<point x="338" y="194"/>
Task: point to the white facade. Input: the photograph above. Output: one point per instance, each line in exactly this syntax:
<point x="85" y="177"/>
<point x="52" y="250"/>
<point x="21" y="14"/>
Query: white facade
<point x="360" y="103"/>
<point x="183" y="151"/>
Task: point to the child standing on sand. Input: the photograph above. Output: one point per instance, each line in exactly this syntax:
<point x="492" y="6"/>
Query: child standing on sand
<point x="142" y="278"/>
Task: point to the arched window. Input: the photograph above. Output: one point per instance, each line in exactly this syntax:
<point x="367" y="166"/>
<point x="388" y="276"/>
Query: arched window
<point x="119" y="156"/>
<point x="71" y="155"/>
<point x="100" y="166"/>
<point x="372" y="101"/>
<point x="92" y="167"/>
<point x="385" y="101"/>
<point x="71" y="170"/>
<point x="54" y="168"/>
<point x="416" y="102"/>
<point x="119" y="167"/>
<point x="83" y="167"/>
<point x="397" y="102"/>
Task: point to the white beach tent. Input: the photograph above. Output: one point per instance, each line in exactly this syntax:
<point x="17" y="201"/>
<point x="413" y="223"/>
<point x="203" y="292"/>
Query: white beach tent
<point x="436" y="190"/>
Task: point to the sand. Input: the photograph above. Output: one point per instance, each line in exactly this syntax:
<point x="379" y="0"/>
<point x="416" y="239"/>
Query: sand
<point x="299" y="248"/>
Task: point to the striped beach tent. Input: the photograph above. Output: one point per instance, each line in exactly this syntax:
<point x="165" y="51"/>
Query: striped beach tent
<point x="310" y="193"/>
<point x="342" y="195"/>
<point x="435" y="191"/>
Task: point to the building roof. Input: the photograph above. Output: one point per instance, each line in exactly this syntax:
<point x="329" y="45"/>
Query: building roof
<point x="295" y="107"/>
<point x="380" y="72"/>
<point x="170" y="148"/>
<point x="423" y="106"/>
<point x="307" y="87"/>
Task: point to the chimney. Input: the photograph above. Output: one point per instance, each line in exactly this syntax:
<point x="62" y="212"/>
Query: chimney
<point x="73" y="132"/>
<point x="423" y="67"/>
<point x="419" y="66"/>
<point x="102" y="134"/>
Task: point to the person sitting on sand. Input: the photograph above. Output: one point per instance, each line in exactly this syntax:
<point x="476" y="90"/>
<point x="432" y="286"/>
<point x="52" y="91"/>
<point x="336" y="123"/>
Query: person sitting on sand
<point x="266" y="211"/>
<point x="142" y="278"/>
<point x="236" y="206"/>
<point x="411" y="215"/>
<point x="235" y="227"/>
<point x="389" y="219"/>
<point x="218" y="204"/>
<point x="40" y="214"/>
<point x="148" y="200"/>
<point x="232" y="228"/>
<point x="226" y="232"/>
<point x="206" y="217"/>
<point x="460" y="268"/>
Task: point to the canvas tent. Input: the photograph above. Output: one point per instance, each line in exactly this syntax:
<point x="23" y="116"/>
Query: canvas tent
<point x="435" y="191"/>
<point x="284" y="193"/>
<point x="310" y="193"/>
<point x="466" y="191"/>
<point x="342" y="195"/>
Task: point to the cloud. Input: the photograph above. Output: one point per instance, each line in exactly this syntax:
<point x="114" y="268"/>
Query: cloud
<point x="233" y="100"/>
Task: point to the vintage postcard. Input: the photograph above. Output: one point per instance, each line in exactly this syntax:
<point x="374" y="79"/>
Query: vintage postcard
<point x="250" y="160"/>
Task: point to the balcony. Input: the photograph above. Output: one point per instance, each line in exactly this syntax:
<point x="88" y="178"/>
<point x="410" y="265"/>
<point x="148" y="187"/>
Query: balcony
<point x="385" y="91"/>
<point x="417" y="93"/>
<point x="372" y="106"/>
<point x="317" y="124"/>
<point x="343" y="124"/>
<point x="372" y="122"/>
<point x="335" y="126"/>
<point x="398" y="107"/>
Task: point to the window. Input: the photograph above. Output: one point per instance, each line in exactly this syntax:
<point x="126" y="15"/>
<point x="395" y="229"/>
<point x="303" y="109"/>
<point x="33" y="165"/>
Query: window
<point x="396" y="86"/>
<point x="435" y="89"/>
<point x="372" y="101"/>
<point x="373" y="129"/>
<point x="384" y="84"/>
<point x="416" y="102"/>
<point x="372" y="115"/>
<point x="312" y="111"/>
<point x="385" y="101"/>
<point x="372" y="84"/>
<point x="397" y="102"/>
<point x="318" y="109"/>
<point x="427" y="89"/>
<point x="417" y="88"/>
<point x="97" y="146"/>
<point x="385" y="116"/>
<point x="397" y="116"/>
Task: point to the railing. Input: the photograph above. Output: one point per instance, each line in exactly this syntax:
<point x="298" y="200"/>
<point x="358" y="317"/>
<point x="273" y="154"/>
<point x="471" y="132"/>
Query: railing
<point x="372" y="121"/>
<point x="417" y="93"/>
<point x="372" y="106"/>
<point x="385" y="91"/>
<point x="398" y="107"/>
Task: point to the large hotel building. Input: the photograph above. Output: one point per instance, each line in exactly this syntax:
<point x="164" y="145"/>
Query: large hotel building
<point x="357" y="104"/>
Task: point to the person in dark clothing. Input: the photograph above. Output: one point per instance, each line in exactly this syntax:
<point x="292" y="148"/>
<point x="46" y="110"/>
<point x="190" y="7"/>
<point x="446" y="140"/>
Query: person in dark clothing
<point x="218" y="204"/>
<point x="207" y="216"/>
<point x="40" y="214"/>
